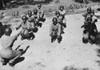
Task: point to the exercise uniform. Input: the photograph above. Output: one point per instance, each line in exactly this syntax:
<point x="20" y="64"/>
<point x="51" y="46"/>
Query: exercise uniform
<point x="63" y="13"/>
<point x="7" y="44"/>
<point x="55" y="30"/>
<point x="41" y="15"/>
<point x="31" y="22"/>
<point x="86" y="15"/>
<point x="41" y="12"/>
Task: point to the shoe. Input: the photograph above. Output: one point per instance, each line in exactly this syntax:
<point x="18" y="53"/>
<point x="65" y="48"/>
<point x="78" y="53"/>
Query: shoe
<point x="62" y="32"/>
<point x="5" y="61"/>
<point x="52" y="40"/>
<point x="11" y="64"/>
<point x="85" y="40"/>
<point x="59" y="39"/>
<point x="21" y="50"/>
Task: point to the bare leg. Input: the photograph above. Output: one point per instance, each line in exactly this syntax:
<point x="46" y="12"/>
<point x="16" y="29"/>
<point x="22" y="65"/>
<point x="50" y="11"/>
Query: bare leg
<point x="12" y="61"/>
<point x="17" y="47"/>
<point x="18" y="53"/>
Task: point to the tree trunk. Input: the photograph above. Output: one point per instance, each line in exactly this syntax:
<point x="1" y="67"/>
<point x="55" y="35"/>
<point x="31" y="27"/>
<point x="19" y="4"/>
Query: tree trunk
<point x="3" y="4"/>
<point x="25" y="2"/>
<point x="84" y="1"/>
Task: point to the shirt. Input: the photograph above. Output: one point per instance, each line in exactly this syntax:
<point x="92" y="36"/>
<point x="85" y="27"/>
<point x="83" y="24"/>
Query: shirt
<point x="62" y="12"/>
<point x="55" y="29"/>
<point x="7" y="41"/>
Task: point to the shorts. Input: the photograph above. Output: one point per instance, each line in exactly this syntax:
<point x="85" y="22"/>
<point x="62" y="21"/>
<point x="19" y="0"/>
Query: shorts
<point x="9" y="54"/>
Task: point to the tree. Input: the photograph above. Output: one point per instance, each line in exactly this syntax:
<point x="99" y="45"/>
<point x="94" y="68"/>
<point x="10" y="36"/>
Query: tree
<point x="82" y="1"/>
<point x="95" y="0"/>
<point x="3" y="4"/>
<point x="57" y="1"/>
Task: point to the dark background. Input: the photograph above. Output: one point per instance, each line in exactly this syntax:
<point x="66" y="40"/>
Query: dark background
<point x="32" y="2"/>
<point x="21" y="2"/>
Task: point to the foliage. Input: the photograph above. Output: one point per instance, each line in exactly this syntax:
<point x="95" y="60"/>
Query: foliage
<point x="82" y="1"/>
<point x="86" y="1"/>
<point x="16" y="3"/>
<point x="95" y="0"/>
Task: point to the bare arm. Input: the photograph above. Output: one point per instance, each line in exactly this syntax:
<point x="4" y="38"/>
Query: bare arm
<point x="16" y="34"/>
<point x="95" y="29"/>
<point x="19" y="26"/>
<point x="84" y="15"/>
<point x="59" y="30"/>
<point x="65" y="12"/>
<point x="64" y="23"/>
<point x="50" y="30"/>
<point x="42" y="13"/>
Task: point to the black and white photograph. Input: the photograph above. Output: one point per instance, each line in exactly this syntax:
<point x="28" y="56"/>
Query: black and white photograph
<point x="49" y="34"/>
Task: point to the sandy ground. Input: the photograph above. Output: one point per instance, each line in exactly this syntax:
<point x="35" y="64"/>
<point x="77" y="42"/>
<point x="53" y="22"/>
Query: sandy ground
<point x="71" y="52"/>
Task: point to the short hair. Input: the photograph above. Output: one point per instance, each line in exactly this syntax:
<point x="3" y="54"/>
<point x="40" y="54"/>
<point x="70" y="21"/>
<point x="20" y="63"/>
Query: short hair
<point x="57" y="12"/>
<point x="8" y="31"/>
<point x="61" y="7"/>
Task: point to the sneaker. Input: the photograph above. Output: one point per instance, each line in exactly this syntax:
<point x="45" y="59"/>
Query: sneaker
<point x="21" y="50"/>
<point x="62" y="32"/>
<point x="52" y="40"/>
<point x="11" y="64"/>
<point x="5" y="61"/>
<point x="59" y="40"/>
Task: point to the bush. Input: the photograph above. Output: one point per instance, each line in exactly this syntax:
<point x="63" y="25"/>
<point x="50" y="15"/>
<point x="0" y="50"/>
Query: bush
<point x="57" y="1"/>
<point x="86" y="1"/>
<point x="82" y="1"/>
<point x="95" y="0"/>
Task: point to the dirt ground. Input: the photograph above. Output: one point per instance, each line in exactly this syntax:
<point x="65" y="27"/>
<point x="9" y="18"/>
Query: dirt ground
<point x="43" y="55"/>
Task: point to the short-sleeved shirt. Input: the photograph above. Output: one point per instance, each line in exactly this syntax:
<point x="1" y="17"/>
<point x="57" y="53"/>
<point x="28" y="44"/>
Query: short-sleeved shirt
<point x="25" y="25"/>
<point x="62" y="12"/>
<point x="40" y="12"/>
<point x="55" y="29"/>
